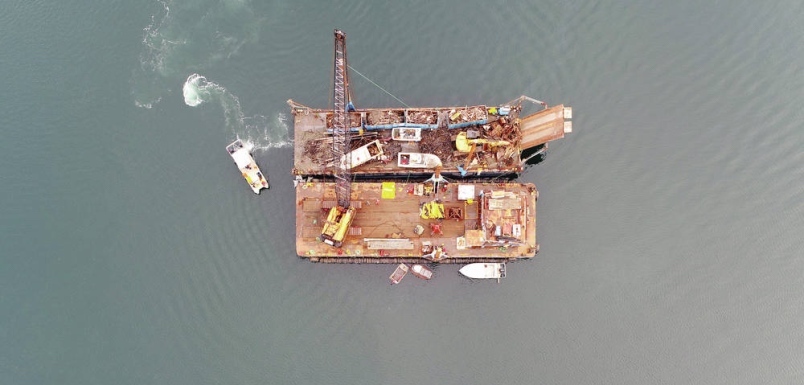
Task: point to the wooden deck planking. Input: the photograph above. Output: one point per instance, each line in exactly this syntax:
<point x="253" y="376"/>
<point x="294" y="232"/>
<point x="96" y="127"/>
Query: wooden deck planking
<point x="542" y="127"/>
<point x="396" y="219"/>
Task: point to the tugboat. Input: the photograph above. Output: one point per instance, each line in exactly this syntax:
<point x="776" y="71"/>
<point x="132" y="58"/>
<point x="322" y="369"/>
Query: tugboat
<point x="245" y="162"/>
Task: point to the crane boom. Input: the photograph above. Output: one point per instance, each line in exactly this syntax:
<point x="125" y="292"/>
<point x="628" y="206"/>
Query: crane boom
<point x="340" y="216"/>
<point x="340" y="123"/>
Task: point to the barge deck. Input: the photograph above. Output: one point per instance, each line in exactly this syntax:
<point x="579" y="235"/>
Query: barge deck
<point x="421" y="223"/>
<point x="362" y="189"/>
<point x="497" y="136"/>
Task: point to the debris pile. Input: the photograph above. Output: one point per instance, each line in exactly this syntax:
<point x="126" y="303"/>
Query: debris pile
<point x="384" y="117"/>
<point x="354" y="120"/>
<point x="501" y="129"/>
<point x="470" y="114"/>
<point x="437" y="142"/>
<point x="422" y="117"/>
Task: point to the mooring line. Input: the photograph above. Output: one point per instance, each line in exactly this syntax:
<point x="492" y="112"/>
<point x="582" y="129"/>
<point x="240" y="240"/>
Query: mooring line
<point x="378" y="86"/>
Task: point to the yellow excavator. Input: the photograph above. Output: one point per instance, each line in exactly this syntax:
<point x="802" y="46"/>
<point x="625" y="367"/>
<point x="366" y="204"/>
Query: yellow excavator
<point x="336" y="225"/>
<point x="464" y="144"/>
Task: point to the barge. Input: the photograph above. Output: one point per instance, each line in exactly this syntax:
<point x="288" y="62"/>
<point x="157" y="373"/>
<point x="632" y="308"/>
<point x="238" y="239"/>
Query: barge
<point x="416" y="185"/>
<point x="474" y="141"/>
<point x="421" y="222"/>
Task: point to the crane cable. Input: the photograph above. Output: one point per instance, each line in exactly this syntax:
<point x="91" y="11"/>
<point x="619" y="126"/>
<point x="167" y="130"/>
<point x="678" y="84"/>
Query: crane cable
<point x="378" y="86"/>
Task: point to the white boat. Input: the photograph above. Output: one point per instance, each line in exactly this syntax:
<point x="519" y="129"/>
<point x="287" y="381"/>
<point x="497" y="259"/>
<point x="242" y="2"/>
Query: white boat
<point x="417" y="160"/>
<point x="245" y="162"/>
<point x="399" y="273"/>
<point x="421" y="271"/>
<point x="370" y="151"/>
<point x="484" y="270"/>
<point x="406" y="134"/>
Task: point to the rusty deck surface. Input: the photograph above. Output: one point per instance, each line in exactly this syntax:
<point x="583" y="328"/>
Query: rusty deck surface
<point x="497" y="223"/>
<point x="313" y="148"/>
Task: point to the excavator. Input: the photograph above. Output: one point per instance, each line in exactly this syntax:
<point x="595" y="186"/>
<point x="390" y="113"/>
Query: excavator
<point x="466" y="145"/>
<point x="341" y="215"/>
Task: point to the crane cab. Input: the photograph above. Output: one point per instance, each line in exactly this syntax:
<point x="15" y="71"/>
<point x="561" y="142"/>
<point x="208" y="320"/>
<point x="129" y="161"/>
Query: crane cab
<point x="337" y="224"/>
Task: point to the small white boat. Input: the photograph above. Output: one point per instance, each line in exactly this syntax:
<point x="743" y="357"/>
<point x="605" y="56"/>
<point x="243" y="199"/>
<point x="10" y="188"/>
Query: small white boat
<point x="399" y="273"/>
<point x="421" y="271"/>
<point x="417" y="160"/>
<point x="372" y="150"/>
<point x="406" y="134"/>
<point x="484" y="270"/>
<point x="245" y="162"/>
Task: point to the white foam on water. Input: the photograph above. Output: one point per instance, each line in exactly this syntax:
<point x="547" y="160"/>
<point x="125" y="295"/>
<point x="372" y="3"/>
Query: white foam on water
<point x="148" y="80"/>
<point x="174" y="41"/>
<point x="147" y="105"/>
<point x="260" y="132"/>
<point x="197" y="89"/>
<point x="267" y="133"/>
<point x="157" y="46"/>
<point x="193" y="87"/>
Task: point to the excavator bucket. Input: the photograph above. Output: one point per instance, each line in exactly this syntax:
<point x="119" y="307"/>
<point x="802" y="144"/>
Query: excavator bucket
<point x="461" y="143"/>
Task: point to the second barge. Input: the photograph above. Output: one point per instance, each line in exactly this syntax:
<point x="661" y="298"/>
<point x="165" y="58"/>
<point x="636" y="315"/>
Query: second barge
<point x="421" y="222"/>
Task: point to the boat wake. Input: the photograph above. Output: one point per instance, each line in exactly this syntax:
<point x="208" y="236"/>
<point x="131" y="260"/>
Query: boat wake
<point x="261" y="132"/>
<point x="175" y="40"/>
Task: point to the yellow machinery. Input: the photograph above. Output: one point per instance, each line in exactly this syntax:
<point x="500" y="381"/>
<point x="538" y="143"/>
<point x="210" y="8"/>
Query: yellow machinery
<point x="336" y="225"/>
<point x="464" y="144"/>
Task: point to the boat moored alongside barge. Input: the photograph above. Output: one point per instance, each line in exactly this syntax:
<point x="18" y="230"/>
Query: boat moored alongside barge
<point x="241" y="155"/>
<point x="421" y="271"/>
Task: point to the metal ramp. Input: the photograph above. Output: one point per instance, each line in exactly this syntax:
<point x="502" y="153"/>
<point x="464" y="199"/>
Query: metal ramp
<point x="545" y="126"/>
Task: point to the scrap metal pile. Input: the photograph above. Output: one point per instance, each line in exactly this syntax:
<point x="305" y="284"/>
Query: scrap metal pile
<point x="384" y="117"/>
<point x="470" y="114"/>
<point x="423" y="117"/>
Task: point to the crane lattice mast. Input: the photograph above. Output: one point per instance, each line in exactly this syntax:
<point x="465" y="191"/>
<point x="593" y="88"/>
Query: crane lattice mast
<point x="340" y="124"/>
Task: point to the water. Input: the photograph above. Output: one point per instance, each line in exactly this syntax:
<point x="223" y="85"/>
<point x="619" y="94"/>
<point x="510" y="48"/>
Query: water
<point x="670" y="220"/>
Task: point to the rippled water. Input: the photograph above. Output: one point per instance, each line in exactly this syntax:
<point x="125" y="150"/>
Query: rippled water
<point x="670" y="220"/>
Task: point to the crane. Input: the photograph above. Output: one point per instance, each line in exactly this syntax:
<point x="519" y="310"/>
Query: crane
<point x="341" y="215"/>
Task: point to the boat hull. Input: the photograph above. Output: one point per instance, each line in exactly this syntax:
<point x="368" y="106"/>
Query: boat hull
<point x="399" y="273"/>
<point x="247" y="166"/>
<point x="484" y="270"/>
<point x="421" y="271"/>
